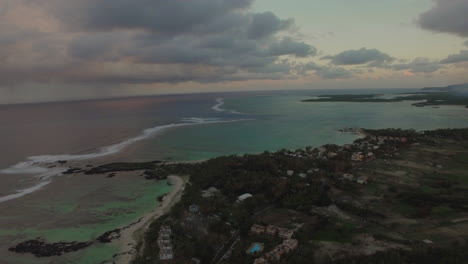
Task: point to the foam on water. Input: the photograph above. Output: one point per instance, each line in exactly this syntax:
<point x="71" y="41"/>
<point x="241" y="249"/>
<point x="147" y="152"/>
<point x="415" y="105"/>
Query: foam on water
<point x="220" y="102"/>
<point x="33" y="164"/>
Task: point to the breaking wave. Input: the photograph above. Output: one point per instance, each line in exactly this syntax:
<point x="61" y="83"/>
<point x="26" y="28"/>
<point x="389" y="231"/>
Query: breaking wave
<point x="33" y="164"/>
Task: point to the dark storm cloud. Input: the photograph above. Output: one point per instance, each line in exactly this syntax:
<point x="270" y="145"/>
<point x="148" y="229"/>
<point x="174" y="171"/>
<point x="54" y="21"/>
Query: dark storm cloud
<point x="150" y="41"/>
<point x="456" y="58"/>
<point x="162" y="16"/>
<point x="357" y="57"/>
<point x="449" y="16"/>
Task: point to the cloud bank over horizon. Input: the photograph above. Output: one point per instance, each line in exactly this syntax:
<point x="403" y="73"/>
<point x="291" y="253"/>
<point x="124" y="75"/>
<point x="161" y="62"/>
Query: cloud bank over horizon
<point x="123" y="43"/>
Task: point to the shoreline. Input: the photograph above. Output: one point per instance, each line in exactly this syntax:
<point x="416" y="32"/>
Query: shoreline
<point x="130" y="237"/>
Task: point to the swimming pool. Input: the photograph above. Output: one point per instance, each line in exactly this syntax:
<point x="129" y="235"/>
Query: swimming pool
<point x="256" y="248"/>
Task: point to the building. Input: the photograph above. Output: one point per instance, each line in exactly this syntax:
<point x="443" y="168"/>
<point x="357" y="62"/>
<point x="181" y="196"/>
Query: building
<point x="271" y="230"/>
<point x="164" y="243"/>
<point x="257" y="229"/>
<point x="290" y="172"/>
<point x="291" y="244"/>
<point x="285" y="233"/>
<point x="244" y="197"/>
<point x="166" y="254"/>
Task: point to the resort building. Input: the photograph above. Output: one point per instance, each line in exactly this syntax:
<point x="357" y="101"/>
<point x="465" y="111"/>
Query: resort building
<point x="285" y="233"/>
<point x="271" y="230"/>
<point x="257" y="229"/>
<point x="279" y="251"/>
<point x="164" y="243"/>
<point x="166" y="254"/>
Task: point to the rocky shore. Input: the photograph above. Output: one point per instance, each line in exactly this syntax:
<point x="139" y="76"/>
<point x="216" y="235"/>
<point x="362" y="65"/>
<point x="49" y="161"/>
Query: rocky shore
<point x="39" y="248"/>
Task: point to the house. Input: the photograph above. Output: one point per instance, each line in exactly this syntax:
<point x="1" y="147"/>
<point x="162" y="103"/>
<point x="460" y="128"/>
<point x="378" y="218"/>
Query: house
<point x="194" y="209"/>
<point x="257" y="229"/>
<point x="290" y="172"/>
<point x="332" y="154"/>
<point x="244" y="197"/>
<point x="302" y="175"/>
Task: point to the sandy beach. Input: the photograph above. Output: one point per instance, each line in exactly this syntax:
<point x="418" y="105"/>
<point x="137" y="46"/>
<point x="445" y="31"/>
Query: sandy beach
<point x="130" y="236"/>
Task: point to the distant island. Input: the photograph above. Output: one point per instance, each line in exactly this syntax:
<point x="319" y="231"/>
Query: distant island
<point x="429" y="96"/>
<point x="393" y="196"/>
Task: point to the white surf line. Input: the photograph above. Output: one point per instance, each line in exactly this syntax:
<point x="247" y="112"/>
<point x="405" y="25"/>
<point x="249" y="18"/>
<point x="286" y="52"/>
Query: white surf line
<point x="32" y="165"/>
<point x="220" y="102"/>
<point x="217" y="106"/>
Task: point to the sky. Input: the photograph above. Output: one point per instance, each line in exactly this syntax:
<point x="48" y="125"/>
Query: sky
<point x="60" y="50"/>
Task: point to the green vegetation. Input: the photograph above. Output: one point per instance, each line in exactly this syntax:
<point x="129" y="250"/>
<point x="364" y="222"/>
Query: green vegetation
<point x="414" y="193"/>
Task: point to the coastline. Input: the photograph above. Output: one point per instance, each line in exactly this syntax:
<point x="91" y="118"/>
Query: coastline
<point x="130" y="237"/>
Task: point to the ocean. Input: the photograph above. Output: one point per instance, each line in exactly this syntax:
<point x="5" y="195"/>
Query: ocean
<point x="172" y="128"/>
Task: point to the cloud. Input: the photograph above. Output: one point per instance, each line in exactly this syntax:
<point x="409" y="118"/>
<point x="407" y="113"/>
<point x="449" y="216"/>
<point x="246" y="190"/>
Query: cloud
<point x="325" y="72"/>
<point x="456" y="58"/>
<point x="289" y="46"/>
<point x="449" y="16"/>
<point x="418" y="65"/>
<point x="357" y="57"/>
<point x="141" y="41"/>
<point x="265" y="24"/>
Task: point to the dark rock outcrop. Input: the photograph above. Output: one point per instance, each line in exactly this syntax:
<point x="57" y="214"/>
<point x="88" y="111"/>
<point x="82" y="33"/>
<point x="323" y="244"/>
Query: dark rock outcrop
<point x="40" y="248"/>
